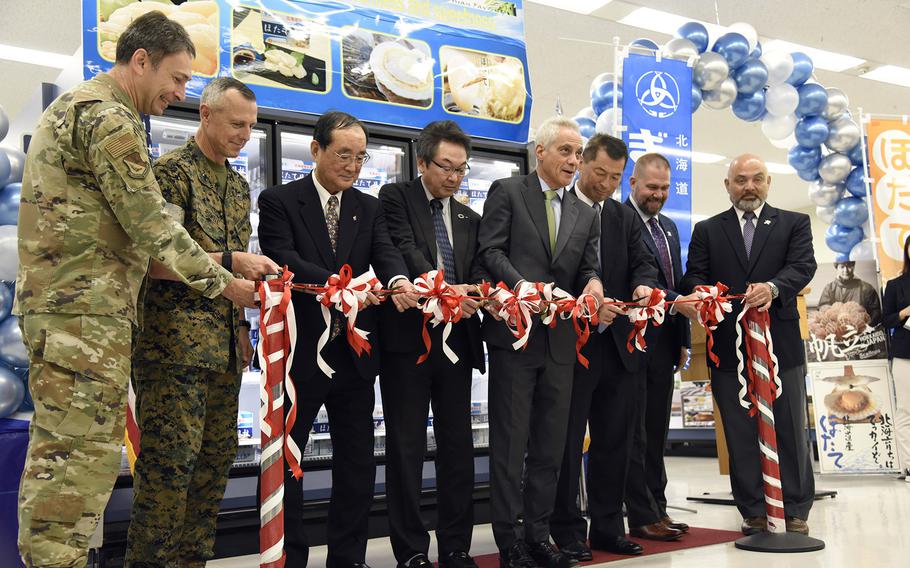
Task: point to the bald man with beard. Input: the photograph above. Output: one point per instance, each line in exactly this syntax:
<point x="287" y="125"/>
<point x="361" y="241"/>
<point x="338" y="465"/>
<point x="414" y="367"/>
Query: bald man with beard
<point x="765" y="253"/>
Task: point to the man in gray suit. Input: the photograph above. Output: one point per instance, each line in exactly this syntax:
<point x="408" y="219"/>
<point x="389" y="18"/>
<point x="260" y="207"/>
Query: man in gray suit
<point x="534" y="230"/>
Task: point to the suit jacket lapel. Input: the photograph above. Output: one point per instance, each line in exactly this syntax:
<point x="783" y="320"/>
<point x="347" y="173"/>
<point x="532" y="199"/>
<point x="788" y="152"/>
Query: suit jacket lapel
<point x="730" y="224"/>
<point x="421" y="207"/>
<point x="348" y="225"/>
<point x="567" y="220"/>
<point x="314" y="220"/>
<point x="765" y="224"/>
<point x="647" y="237"/>
<point x="461" y="232"/>
<point x="536" y="204"/>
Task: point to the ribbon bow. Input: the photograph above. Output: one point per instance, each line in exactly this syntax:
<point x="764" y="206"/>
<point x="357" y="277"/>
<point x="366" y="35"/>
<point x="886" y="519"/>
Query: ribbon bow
<point x="516" y="309"/>
<point x="711" y="307"/>
<point x="347" y="295"/>
<point x="440" y="303"/>
<point x="640" y="316"/>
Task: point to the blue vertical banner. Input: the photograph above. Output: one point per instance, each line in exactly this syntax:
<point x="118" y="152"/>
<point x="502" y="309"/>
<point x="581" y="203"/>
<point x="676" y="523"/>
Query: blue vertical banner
<point x="657" y="115"/>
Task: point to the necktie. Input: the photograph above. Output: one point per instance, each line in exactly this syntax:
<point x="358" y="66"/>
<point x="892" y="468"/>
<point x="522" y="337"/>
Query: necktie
<point x="662" y="251"/>
<point x="597" y="208"/>
<point x="748" y="231"/>
<point x="442" y="240"/>
<point x="550" y="195"/>
<point x="331" y="223"/>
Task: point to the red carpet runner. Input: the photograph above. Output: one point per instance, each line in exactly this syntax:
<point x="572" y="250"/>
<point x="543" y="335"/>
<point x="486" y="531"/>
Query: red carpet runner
<point x="694" y="538"/>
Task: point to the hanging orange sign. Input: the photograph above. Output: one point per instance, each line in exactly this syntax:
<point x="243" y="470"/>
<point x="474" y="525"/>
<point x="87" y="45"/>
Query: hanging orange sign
<point x="889" y="170"/>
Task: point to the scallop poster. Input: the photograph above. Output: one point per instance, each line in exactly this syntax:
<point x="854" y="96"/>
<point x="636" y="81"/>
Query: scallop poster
<point x="854" y="416"/>
<point x="387" y="68"/>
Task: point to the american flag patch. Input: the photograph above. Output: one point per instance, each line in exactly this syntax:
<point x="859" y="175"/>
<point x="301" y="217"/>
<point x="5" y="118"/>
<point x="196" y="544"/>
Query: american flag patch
<point x="121" y="145"/>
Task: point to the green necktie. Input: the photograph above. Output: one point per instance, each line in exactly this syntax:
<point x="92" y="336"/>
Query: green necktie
<point x="550" y="195"/>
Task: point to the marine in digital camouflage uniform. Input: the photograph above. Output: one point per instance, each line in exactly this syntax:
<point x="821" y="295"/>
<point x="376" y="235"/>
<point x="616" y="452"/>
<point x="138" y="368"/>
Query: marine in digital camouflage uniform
<point x="90" y="218"/>
<point x="188" y="357"/>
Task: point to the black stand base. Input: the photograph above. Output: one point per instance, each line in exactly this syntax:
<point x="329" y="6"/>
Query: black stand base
<point x="779" y="542"/>
<point x="726" y="498"/>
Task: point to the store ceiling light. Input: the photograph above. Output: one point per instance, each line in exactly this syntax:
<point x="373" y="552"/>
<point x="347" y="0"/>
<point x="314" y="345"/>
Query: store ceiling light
<point x="665" y="22"/>
<point x="821" y="59"/>
<point x="778" y="168"/>
<point x="35" y="56"/>
<point x="577" y="6"/>
<point x="707" y="158"/>
<point x="889" y="74"/>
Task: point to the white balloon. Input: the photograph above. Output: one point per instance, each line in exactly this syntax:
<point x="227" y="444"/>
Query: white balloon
<point x="837" y="103"/>
<point x="4" y="123"/>
<point x="834" y="168"/>
<point x="825" y="214"/>
<point x="779" y="64"/>
<point x="781" y="99"/>
<point x="864" y="250"/>
<point x="786" y="143"/>
<point x="680" y="48"/>
<point x="747" y="31"/>
<point x="778" y="127"/>
<point x="9" y="252"/>
<point x="16" y="162"/>
<point x="825" y="195"/>
<point x="605" y="121"/>
<point x="721" y="97"/>
<point x="599" y="80"/>
<point x="843" y="134"/>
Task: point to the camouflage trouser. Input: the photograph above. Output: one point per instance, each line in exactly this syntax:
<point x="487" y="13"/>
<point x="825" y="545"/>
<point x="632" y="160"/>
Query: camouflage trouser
<point x="78" y="368"/>
<point x="188" y="422"/>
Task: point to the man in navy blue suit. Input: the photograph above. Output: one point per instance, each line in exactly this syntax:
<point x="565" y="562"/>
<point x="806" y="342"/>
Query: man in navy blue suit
<point x="668" y="350"/>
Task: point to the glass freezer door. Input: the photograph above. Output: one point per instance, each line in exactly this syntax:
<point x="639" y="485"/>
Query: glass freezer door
<point x="386" y="165"/>
<point x="485" y="169"/>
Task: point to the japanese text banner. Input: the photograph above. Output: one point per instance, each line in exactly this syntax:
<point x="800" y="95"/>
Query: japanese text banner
<point x="889" y="170"/>
<point x="656" y="111"/>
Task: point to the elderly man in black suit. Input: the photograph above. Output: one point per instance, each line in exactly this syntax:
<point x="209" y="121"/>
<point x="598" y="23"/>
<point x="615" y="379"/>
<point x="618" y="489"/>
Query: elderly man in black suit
<point x="533" y="229"/>
<point x="603" y="395"/>
<point x="668" y="351"/>
<point x="765" y="253"/>
<point x="315" y="225"/>
<point x="433" y="231"/>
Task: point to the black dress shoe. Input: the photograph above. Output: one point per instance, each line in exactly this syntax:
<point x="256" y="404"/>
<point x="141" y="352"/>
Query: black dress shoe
<point x="578" y="551"/>
<point x="418" y="561"/>
<point x="548" y="556"/>
<point x="361" y="565"/>
<point x="459" y="559"/>
<point x="516" y="556"/>
<point x="617" y="545"/>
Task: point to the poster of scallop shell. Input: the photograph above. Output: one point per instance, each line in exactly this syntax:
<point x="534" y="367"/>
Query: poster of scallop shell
<point x="386" y="68"/>
<point x="484" y="85"/>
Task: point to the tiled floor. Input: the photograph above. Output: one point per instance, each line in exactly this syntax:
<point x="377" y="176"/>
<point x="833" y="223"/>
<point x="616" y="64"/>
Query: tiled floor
<point x="866" y="525"/>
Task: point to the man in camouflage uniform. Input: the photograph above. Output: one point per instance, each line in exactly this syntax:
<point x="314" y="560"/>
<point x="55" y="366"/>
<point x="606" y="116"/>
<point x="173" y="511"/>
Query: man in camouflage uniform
<point x="191" y="350"/>
<point x="90" y="218"/>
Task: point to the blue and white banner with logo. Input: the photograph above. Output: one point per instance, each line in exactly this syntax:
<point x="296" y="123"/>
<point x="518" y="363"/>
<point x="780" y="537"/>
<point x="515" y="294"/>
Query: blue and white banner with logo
<point x="398" y="62"/>
<point x="656" y="112"/>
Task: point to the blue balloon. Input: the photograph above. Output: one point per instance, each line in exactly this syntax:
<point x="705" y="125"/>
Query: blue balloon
<point x="750" y="107"/>
<point x="750" y="77"/>
<point x="602" y="99"/>
<point x="855" y="183"/>
<point x="696" y="97"/>
<point x="587" y="128"/>
<point x="856" y="155"/>
<point x="6" y="302"/>
<point x="6" y="169"/>
<point x="645" y="43"/>
<point x="804" y="159"/>
<point x="808" y="175"/>
<point x="12" y="392"/>
<point x="841" y="239"/>
<point x="696" y="33"/>
<point x="27" y="404"/>
<point x="802" y="69"/>
<point x="756" y="53"/>
<point x="12" y="349"/>
<point x="733" y="47"/>
<point x="811" y="131"/>
<point x="842" y="257"/>
<point x="851" y="212"/>
<point x="9" y="203"/>
<point x="813" y="98"/>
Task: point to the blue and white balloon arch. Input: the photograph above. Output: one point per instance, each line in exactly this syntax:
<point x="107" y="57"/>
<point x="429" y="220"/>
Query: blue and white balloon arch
<point x="825" y="142"/>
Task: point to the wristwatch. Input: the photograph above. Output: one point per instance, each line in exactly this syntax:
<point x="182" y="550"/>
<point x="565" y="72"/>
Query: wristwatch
<point x="774" y="291"/>
<point x="227" y="261"/>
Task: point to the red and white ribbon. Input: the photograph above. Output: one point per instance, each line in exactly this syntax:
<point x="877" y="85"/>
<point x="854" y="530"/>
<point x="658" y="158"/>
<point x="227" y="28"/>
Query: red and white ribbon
<point x="516" y="309"/>
<point x="761" y="386"/>
<point x="277" y="338"/>
<point x="582" y="311"/>
<point x="347" y="295"/>
<point x="711" y="309"/>
<point x="440" y="303"/>
<point x="654" y="310"/>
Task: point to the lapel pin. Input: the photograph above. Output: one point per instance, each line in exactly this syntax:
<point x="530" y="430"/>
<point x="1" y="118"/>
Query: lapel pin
<point x="669" y="234"/>
<point x="767" y="221"/>
<point x="355" y="217"/>
<point x="462" y="216"/>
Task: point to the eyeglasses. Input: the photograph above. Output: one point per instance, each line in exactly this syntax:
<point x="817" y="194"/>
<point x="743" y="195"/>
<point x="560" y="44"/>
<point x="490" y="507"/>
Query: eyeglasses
<point x="449" y="170"/>
<point x="346" y="159"/>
